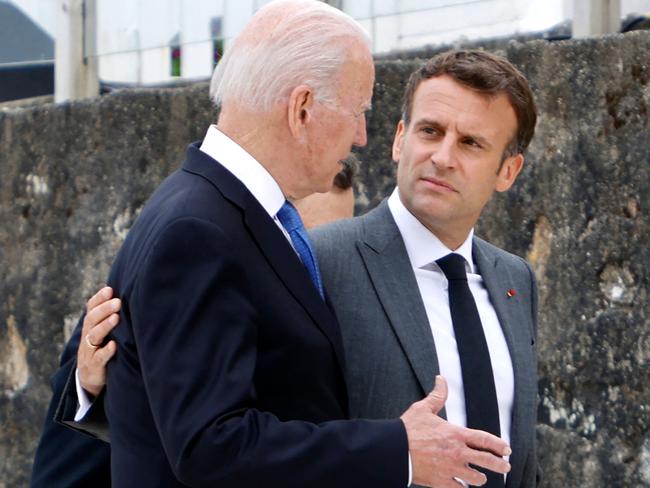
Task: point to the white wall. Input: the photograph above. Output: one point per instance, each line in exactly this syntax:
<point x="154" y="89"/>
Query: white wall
<point x="402" y="24"/>
<point x="134" y="36"/>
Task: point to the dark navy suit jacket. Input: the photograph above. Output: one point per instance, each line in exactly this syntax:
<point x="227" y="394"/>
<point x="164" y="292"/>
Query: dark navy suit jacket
<point x="230" y="368"/>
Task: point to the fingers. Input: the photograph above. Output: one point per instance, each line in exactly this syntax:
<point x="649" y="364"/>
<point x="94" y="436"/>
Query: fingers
<point x="442" y="453"/>
<point x="102" y="295"/>
<point x="484" y="441"/>
<point x="106" y="353"/>
<point x="471" y="477"/>
<point x="99" y="313"/>
<point x="484" y="460"/>
<point x="487" y="451"/>
<point x="91" y="365"/>
<point x="438" y="396"/>
<point x="97" y="335"/>
<point x="489" y="461"/>
<point x="100" y="319"/>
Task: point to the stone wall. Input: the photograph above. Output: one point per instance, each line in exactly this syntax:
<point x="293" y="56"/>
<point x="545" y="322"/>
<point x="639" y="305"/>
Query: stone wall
<point x="74" y="177"/>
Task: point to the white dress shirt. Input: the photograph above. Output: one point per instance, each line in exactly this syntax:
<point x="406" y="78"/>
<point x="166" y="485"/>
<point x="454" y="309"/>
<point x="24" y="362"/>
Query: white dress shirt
<point x="246" y="169"/>
<point x="423" y="249"/>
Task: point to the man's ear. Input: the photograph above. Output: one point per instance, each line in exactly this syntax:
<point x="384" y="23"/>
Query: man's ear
<point x="397" y="141"/>
<point x="509" y="171"/>
<point x="299" y="110"/>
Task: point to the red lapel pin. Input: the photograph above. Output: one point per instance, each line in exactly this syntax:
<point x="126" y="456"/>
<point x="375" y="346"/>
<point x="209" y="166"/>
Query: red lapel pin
<point x="511" y="293"/>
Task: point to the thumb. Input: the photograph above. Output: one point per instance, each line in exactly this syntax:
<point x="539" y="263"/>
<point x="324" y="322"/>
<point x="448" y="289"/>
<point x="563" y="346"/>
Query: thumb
<point x="438" y="396"/>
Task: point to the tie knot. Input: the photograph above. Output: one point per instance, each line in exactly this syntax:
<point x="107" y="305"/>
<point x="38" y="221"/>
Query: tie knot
<point x="289" y="217"/>
<point x="453" y="265"/>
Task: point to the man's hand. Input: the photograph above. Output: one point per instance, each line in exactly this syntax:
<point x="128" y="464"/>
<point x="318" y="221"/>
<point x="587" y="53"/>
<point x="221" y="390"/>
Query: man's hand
<point x="441" y="451"/>
<point x="101" y="317"/>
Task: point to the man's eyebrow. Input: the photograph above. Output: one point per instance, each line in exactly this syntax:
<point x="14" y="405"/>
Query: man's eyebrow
<point x="481" y="140"/>
<point x="427" y="121"/>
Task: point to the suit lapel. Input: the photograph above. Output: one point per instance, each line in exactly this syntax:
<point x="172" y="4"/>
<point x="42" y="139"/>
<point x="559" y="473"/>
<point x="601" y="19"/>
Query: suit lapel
<point x="498" y="280"/>
<point x="291" y="271"/>
<point x="388" y="265"/>
<point x="271" y="242"/>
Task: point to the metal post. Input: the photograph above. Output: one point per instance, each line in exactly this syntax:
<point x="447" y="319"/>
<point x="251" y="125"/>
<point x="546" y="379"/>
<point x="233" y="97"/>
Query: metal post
<point x="75" y="71"/>
<point x="596" y="17"/>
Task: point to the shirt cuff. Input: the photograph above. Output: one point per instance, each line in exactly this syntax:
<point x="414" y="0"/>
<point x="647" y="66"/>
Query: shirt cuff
<point x="410" y="470"/>
<point x="85" y="403"/>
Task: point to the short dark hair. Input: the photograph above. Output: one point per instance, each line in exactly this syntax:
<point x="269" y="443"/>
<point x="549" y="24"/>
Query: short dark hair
<point x="345" y="177"/>
<point x="485" y="73"/>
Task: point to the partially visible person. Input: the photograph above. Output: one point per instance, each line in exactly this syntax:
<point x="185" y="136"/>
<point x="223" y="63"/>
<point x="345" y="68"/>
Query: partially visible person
<point x="65" y="457"/>
<point x="338" y="203"/>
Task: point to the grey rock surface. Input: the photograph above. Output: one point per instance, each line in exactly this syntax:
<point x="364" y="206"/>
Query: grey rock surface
<point x="74" y="177"/>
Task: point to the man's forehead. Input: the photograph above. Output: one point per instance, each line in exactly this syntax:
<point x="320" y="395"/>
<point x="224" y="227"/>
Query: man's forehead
<point x="443" y="97"/>
<point x="357" y="81"/>
<point x="445" y="91"/>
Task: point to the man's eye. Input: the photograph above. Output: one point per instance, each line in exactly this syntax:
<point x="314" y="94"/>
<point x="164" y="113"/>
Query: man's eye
<point x="430" y="130"/>
<point x="471" y="142"/>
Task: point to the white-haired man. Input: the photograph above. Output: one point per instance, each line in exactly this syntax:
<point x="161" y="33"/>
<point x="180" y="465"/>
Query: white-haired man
<point x="230" y="369"/>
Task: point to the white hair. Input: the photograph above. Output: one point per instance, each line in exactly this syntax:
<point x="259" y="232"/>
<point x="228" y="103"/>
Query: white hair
<point x="308" y="45"/>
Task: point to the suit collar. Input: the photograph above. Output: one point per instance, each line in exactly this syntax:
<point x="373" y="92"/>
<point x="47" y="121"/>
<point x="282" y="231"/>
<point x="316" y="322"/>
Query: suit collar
<point x="245" y="168"/>
<point x="271" y="242"/>
<point x="385" y="257"/>
<point x="498" y="281"/>
<point x="423" y="246"/>
<point x="200" y="164"/>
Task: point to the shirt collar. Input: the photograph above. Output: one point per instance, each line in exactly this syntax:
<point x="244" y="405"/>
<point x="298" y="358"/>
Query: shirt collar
<point x="422" y="245"/>
<point x="245" y="168"/>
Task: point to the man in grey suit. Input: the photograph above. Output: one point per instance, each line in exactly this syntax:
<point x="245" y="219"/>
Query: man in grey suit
<point x="467" y="118"/>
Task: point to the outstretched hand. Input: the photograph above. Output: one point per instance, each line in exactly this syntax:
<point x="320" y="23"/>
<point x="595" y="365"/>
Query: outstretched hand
<point x="93" y="355"/>
<point x="441" y="453"/>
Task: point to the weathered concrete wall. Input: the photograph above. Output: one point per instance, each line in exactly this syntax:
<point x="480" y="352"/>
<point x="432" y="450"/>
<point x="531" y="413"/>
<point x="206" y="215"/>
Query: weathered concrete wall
<point x="580" y="215"/>
<point x="74" y="177"/>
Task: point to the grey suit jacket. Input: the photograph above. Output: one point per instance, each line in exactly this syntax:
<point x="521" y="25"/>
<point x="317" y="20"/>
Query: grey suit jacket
<point x="390" y="353"/>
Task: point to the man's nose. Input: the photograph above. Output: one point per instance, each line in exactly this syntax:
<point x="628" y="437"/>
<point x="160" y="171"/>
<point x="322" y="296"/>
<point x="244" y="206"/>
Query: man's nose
<point x="443" y="154"/>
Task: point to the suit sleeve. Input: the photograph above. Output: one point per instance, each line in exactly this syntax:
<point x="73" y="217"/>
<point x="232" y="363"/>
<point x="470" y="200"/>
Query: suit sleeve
<point x="198" y="363"/>
<point x="65" y="457"/>
<point x="65" y="401"/>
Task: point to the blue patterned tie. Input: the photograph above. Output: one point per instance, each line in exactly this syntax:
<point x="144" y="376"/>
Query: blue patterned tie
<point x="291" y="221"/>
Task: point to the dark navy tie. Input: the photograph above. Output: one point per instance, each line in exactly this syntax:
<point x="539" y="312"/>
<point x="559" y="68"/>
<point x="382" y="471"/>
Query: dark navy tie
<point x="291" y="221"/>
<point x="478" y="380"/>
